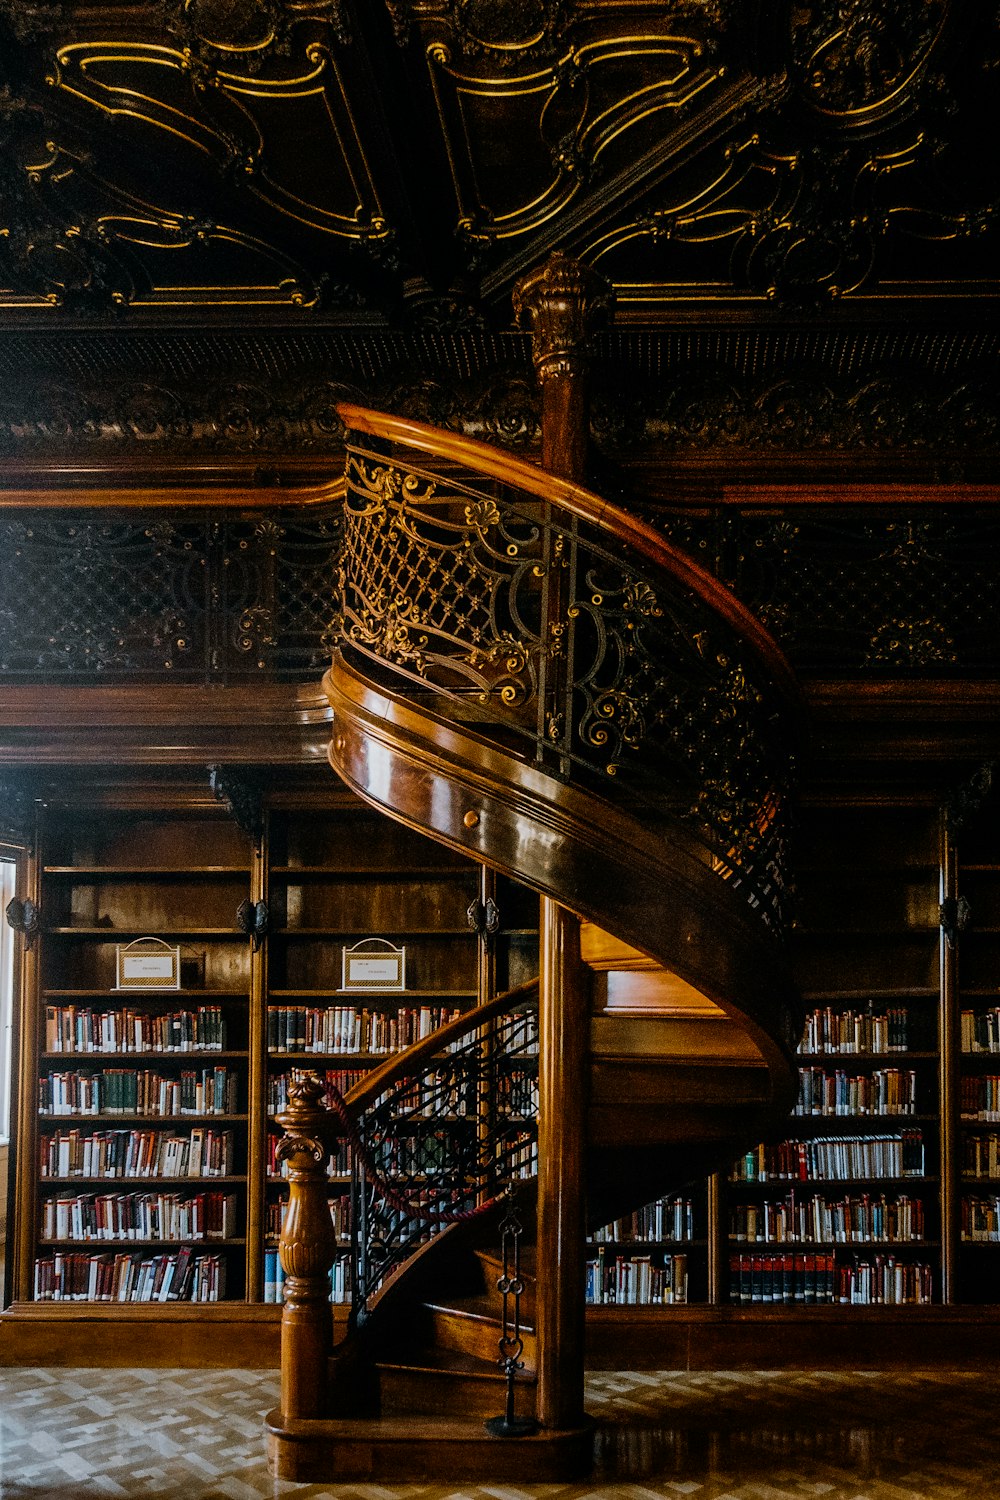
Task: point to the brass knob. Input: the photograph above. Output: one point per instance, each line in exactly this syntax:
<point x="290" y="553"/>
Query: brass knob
<point x="471" y="819"/>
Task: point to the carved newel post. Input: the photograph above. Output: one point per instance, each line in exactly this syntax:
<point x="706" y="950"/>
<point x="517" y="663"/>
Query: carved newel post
<point x="561" y="303"/>
<point x="307" y="1248"/>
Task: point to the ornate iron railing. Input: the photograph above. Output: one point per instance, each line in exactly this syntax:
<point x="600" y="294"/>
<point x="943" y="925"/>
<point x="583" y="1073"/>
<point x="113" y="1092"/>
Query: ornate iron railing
<point x="443" y="1141"/>
<point x="181" y="596"/>
<point x="601" y="653"/>
<point x="101" y="596"/>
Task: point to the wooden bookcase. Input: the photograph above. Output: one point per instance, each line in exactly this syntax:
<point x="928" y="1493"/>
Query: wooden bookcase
<point x="135" y="1166"/>
<point x="112" y="864"/>
<point x="975" y="963"/>
<point x="337" y="878"/>
<point x="117" y="863"/>
<point x="847" y="1207"/>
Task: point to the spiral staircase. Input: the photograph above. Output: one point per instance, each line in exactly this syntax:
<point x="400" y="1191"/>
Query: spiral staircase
<point x="536" y="679"/>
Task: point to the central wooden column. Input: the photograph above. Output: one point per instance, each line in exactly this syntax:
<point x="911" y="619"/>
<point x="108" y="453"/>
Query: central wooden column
<point x="559" y="304"/>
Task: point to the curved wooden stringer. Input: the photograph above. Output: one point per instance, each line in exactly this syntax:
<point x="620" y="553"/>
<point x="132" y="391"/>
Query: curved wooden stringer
<point x="539" y="680"/>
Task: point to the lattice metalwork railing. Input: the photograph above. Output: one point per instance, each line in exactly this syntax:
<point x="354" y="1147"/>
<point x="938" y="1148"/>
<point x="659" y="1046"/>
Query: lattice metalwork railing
<point x="443" y="1143"/>
<point x="92" y="597"/>
<point x="547" y="632"/>
<point x="897" y="591"/>
<point x="87" y="597"/>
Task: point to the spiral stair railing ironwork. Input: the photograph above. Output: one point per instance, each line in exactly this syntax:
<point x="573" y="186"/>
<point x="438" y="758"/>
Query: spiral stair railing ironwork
<point x="598" y="652"/>
<point x="440" y="1137"/>
<point x="538" y="680"/>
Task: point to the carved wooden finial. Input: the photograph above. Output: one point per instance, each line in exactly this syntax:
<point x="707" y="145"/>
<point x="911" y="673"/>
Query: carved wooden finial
<point x="562" y="302"/>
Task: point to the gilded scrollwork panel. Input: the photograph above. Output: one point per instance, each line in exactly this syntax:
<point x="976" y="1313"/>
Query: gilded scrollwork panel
<point x="523" y="145"/>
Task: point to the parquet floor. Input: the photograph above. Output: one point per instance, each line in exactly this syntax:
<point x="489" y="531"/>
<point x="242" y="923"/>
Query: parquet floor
<point x="196" y="1435"/>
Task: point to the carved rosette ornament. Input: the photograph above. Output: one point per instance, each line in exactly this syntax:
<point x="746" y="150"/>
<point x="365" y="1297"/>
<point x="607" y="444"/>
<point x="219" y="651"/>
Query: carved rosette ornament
<point x="561" y="304"/>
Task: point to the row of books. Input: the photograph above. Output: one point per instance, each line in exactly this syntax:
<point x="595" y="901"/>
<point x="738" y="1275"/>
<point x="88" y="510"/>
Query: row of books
<point x="886" y="1091"/>
<point x="132" y="1091"/>
<point x="834" y="1159"/>
<point x="341" y="1079"/>
<point x="981" y="1155"/>
<point x="667" y="1219"/>
<point x="343" y="1028"/>
<point x="274" y="1278"/>
<point x="637" y="1280"/>
<point x="979" y="1098"/>
<point x="518" y="1033"/>
<point x="806" y="1279"/>
<point x="980" y="1030"/>
<point x="515" y="1094"/>
<point x="981" y="1219"/>
<point x="519" y="1154"/>
<point x="340" y="1217"/>
<point x="859" y="1220"/>
<point x="851" y="1031"/>
<point x="178" y="1277"/>
<point x="71" y="1028"/>
<point x="340" y="1163"/>
<point x="140" y="1216"/>
<point x="137" y="1153"/>
<point x="809" y="1280"/>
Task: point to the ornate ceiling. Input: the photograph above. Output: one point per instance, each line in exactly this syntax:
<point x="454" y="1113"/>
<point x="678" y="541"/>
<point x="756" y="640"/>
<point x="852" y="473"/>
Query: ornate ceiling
<point x="218" y="216"/>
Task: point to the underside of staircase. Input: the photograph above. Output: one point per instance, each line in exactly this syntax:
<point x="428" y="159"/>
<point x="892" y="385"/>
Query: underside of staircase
<point x="539" y="682"/>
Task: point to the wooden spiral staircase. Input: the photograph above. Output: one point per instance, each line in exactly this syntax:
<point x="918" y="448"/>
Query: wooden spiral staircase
<point x="537" y="679"/>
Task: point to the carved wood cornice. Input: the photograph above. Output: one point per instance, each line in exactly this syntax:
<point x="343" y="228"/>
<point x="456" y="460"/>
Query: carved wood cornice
<point x="262" y="724"/>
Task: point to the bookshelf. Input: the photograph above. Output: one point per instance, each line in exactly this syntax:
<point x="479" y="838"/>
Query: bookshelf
<point x="146" y="1119"/>
<point x="846" y="1208"/>
<point x="338" y="878"/>
<point x="883" y="1191"/>
<point x="976" y="969"/>
<point x="135" y="1160"/>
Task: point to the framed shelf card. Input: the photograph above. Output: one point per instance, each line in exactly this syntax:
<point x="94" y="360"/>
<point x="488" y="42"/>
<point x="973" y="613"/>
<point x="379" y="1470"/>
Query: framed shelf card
<point x="374" y="964"/>
<point x="148" y="963"/>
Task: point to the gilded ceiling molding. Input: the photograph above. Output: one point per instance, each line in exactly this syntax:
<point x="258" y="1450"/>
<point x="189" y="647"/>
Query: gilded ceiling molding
<point x="855" y="57"/>
<point x="246" y="33"/>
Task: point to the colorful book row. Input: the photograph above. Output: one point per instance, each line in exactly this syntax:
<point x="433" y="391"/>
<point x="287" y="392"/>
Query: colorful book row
<point x="886" y="1091"/>
<point x="809" y="1280"/>
<point x="179" y="1277"/>
<point x="834" y="1159"/>
<point x="858" y="1032"/>
<point x="859" y="1220"/>
<point x="130" y="1091"/>
<point x="343" y="1028"/>
<point x="139" y="1216"/>
<point x="137" y="1153"/>
<point x="637" y="1280"/>
<point x="69" y="1028"/>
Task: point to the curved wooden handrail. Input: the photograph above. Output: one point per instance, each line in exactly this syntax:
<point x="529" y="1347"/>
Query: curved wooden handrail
<point x="409" y="1063"/>
<point x="584" y="505"/>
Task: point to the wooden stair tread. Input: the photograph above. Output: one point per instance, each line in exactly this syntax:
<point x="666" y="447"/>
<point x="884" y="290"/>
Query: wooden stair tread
<point x="433" y="1361"/>
<point x="492" y="1258"/>
<point x="478" y="1307"/>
